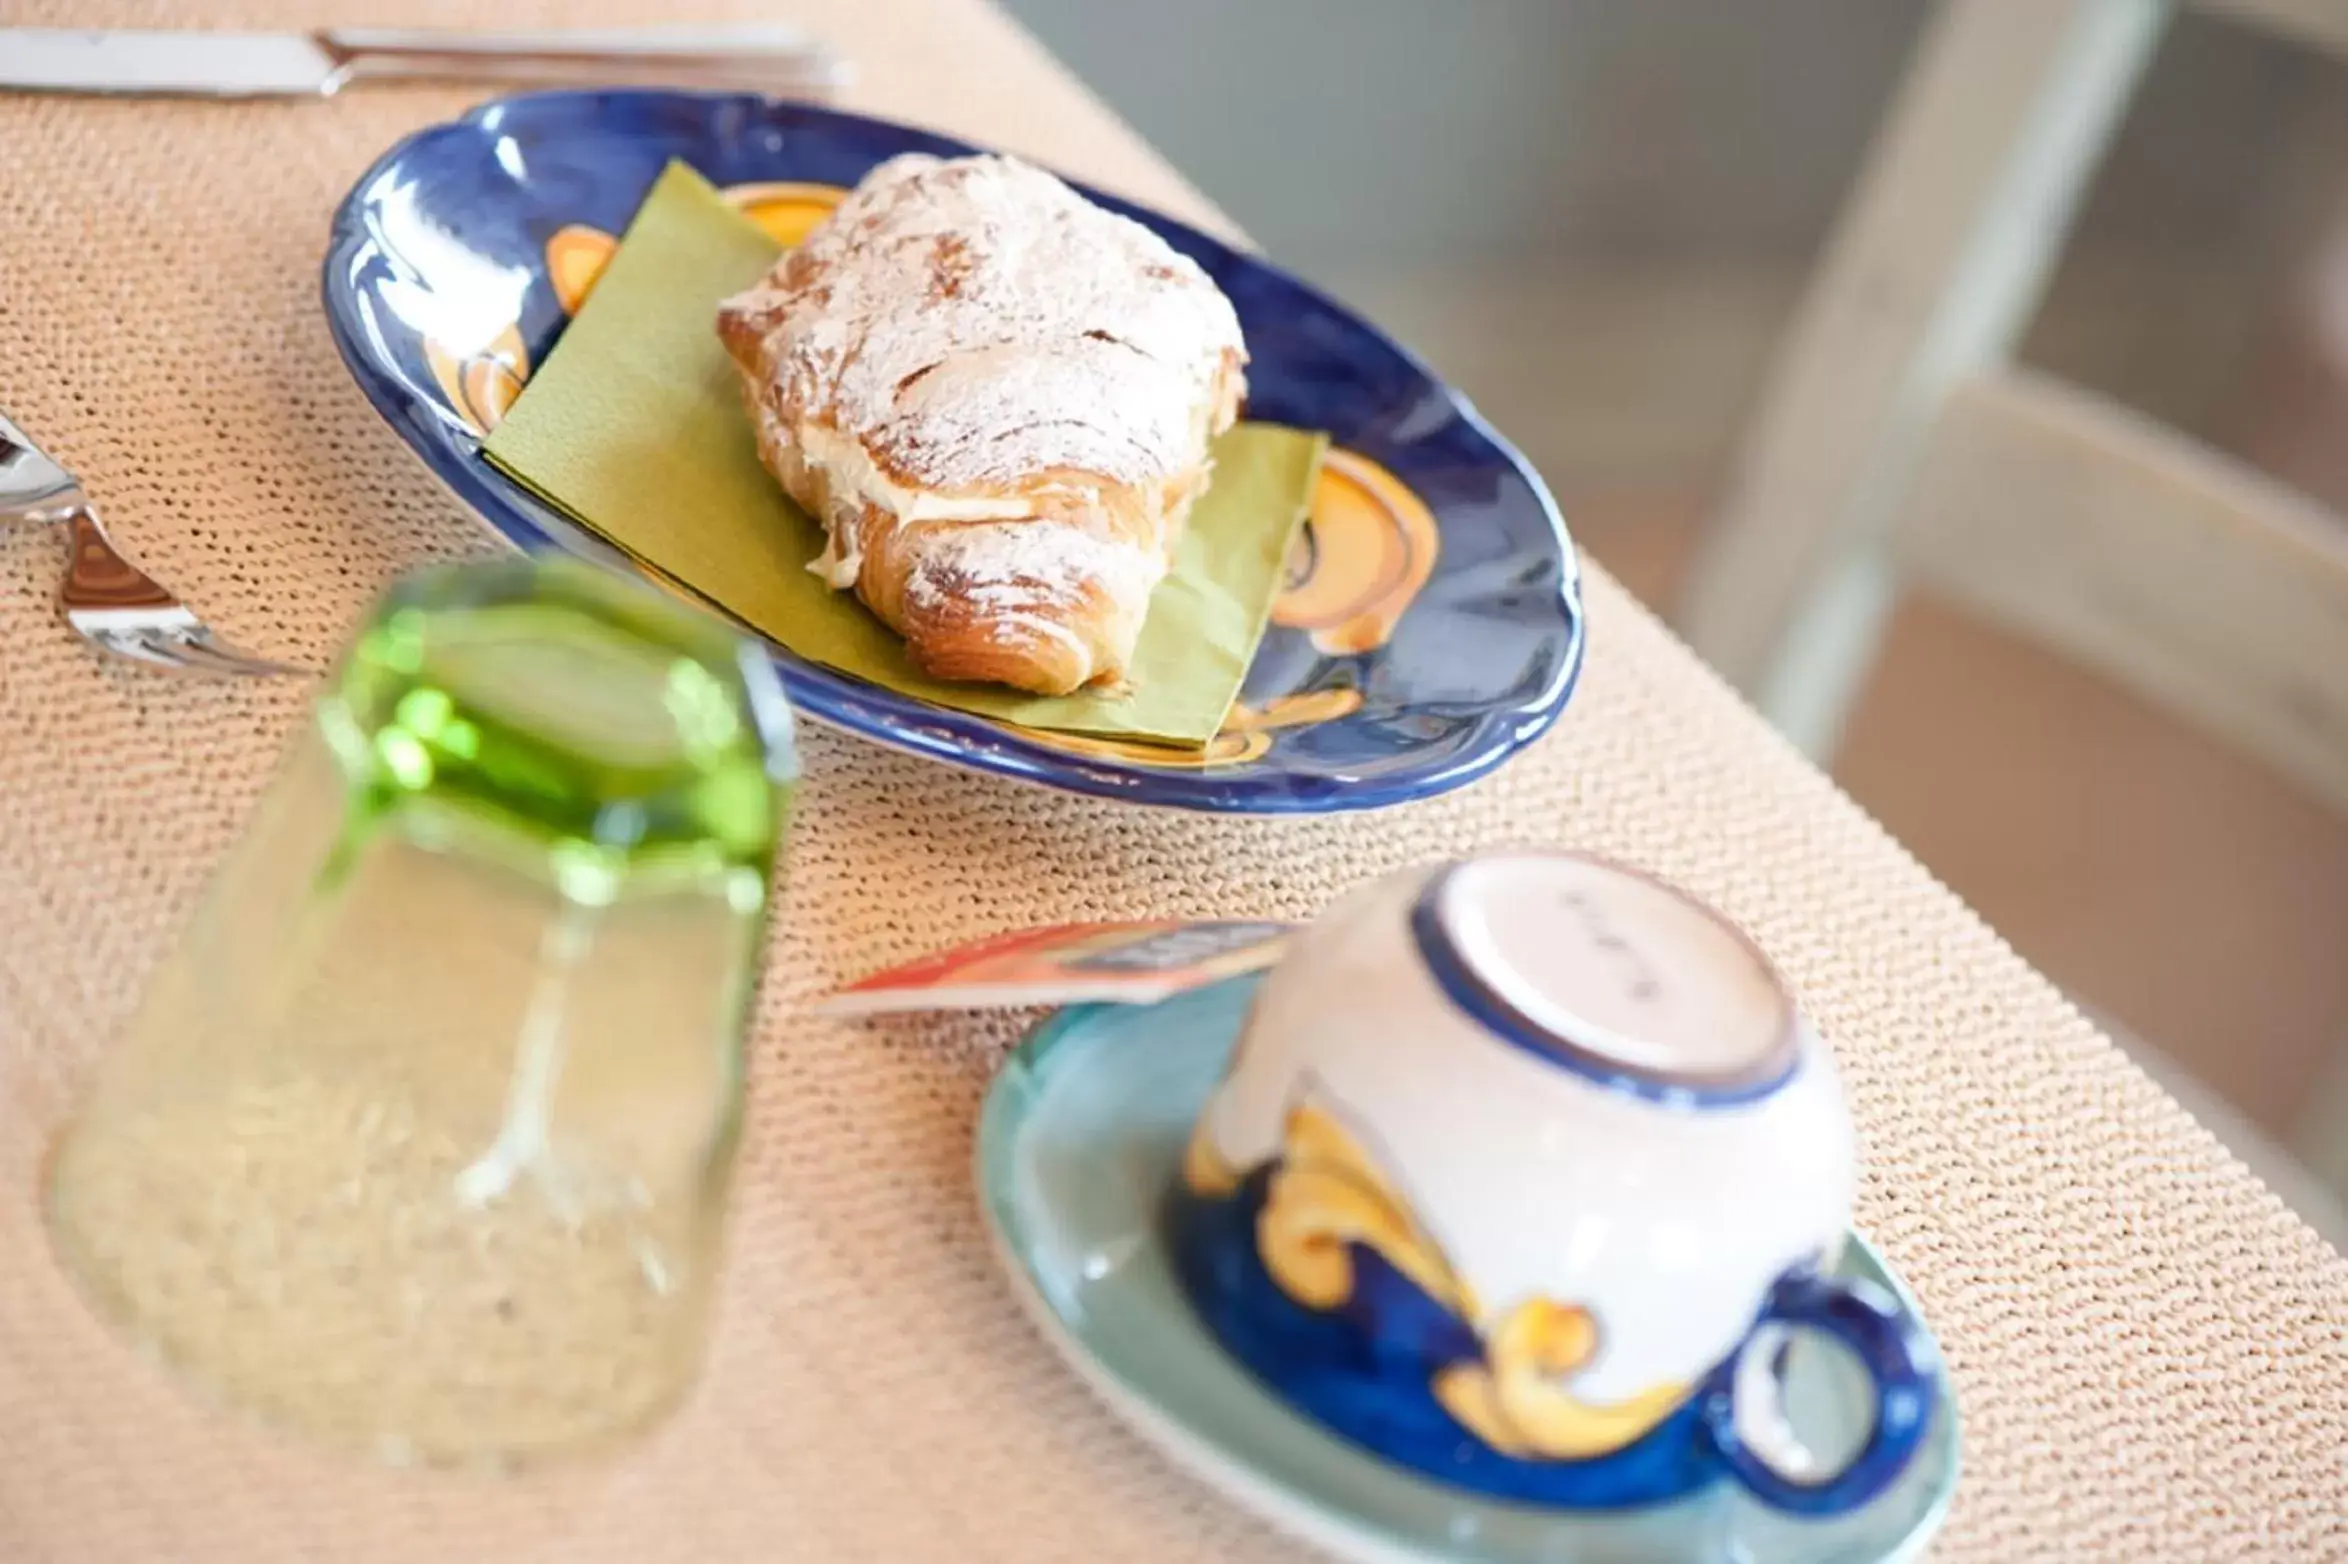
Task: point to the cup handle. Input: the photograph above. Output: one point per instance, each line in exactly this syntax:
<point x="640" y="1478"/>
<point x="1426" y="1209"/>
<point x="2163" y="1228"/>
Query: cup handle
<point x="1747" y="1419"/>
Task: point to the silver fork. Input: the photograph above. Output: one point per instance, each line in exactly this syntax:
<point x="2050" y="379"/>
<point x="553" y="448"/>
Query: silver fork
<point x="113" y="604"/>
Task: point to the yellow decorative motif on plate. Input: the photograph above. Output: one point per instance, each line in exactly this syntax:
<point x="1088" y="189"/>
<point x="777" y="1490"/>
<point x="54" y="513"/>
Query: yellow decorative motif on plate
<point x="1226" y="748"/>
<point x="1365" y="552"/>
<point x="481" y="384"/>
<point x="787" y="211"/>
<point x="575" y="258"/>
<point x="1247" y="732"/>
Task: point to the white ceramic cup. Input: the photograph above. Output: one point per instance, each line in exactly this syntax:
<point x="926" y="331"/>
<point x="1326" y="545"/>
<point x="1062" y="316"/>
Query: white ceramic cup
<point x="1517" y="1161"/>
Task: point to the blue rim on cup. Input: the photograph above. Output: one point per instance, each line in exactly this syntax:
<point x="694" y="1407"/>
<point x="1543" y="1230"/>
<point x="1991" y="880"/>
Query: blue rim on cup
<point x="1444" y="927"/>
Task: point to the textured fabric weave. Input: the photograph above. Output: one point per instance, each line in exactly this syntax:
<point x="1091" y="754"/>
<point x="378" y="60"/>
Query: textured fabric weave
<point x="2151" y="1354"/>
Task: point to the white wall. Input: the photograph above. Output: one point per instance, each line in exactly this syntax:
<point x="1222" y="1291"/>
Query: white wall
<point x="1593" y="213"/>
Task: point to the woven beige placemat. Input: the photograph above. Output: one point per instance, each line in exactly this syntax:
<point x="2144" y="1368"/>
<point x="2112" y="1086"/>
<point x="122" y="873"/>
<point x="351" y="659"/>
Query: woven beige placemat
<point x="2151" y="1354"/>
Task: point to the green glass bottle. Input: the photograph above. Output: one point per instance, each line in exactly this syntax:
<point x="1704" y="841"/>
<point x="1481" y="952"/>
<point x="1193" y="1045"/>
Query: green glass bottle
<point x="420" y="1137"/>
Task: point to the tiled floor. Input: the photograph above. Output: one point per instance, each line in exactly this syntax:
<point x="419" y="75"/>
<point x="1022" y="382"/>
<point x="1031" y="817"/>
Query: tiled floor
<point x="2158" y="878"/>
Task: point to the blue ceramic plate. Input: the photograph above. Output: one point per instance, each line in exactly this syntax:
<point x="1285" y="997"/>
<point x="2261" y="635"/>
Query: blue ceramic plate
<point x="1077" y="1144"/>
<point x="1432" y="621"/>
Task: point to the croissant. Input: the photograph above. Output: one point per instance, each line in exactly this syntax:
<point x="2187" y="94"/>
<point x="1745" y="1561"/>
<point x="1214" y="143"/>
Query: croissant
<point x="998" y="399"/>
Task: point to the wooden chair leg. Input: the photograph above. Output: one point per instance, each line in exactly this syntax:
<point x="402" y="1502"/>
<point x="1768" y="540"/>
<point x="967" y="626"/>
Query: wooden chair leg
<point x="1931" y="275"/>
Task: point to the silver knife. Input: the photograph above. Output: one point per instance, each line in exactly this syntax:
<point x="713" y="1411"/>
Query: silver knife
<point x="263" y="65"/>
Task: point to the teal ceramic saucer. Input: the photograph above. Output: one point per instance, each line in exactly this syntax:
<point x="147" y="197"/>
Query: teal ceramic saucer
<point x="1078" y="1139"/>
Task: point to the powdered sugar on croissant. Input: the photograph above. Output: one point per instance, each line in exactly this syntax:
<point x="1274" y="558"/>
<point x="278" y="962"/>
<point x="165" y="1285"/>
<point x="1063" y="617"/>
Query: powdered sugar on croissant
<point x="998" y="398"/>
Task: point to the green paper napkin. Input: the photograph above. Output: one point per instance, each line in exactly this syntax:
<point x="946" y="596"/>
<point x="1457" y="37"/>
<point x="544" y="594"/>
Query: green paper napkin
<point x="634" y="428"/>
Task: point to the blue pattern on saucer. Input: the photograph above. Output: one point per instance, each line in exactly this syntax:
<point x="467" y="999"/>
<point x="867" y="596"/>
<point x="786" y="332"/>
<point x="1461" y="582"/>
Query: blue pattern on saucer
<point x="1364" y="1369"/>
<point x="448" y="232"/>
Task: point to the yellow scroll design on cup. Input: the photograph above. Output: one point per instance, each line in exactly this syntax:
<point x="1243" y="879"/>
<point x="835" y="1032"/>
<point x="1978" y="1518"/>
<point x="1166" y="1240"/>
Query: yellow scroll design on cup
<point x="1206" y="1172"/>
<point x="1327" y="1194"/>
<point x="1517" y="1400"/>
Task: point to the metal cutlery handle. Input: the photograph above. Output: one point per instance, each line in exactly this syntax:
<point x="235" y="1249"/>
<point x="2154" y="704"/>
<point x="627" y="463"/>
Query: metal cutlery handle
<point x="753" y="58"/>
<point x="32" y="487"/>
<point x="109" y="601"/>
